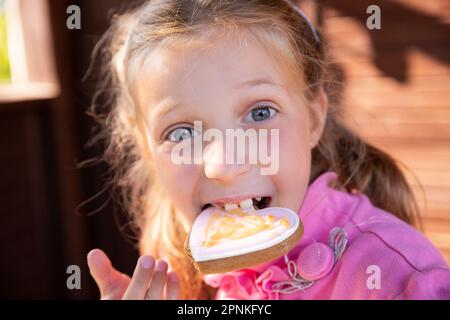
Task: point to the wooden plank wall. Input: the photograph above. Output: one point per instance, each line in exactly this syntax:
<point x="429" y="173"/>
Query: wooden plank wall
<point x="397" y="92"/>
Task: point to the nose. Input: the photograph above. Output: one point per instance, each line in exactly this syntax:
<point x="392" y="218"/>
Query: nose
<point x="215" y="166"/>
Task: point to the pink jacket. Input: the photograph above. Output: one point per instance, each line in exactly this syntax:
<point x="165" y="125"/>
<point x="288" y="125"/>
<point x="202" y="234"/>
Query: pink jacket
<point x="350" y="250"/>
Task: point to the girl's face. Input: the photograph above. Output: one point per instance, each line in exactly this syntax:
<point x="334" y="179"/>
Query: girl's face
<point x="229" y="85"/>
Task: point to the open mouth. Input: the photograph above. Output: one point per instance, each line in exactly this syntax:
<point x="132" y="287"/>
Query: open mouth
<point x="249" y="204"/>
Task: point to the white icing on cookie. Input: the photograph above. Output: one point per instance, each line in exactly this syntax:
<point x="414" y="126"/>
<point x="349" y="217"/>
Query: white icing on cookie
<point x="212" y="237"/>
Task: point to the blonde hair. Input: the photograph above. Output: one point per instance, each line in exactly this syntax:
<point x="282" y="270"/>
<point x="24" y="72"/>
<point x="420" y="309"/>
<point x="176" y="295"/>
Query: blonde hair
<point x="132" y="35"/>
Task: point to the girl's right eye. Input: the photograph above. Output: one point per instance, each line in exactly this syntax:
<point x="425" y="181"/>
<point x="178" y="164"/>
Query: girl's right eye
<point x="181" y="133"/>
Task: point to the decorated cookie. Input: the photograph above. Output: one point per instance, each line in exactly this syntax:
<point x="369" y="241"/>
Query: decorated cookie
<point x="226" y="240"/>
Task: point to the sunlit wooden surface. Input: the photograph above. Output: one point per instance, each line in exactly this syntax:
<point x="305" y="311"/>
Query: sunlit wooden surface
<point x="408" y="115"/>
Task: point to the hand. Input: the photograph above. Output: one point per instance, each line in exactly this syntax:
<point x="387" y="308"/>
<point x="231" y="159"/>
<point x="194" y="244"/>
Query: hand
<point x="150" y="280"/>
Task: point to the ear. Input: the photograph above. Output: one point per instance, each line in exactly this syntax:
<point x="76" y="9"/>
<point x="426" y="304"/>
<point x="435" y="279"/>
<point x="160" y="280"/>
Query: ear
<point x="319" y="109"/>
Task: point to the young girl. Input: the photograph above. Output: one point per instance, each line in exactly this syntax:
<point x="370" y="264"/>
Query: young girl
<point x="253" y="64"/>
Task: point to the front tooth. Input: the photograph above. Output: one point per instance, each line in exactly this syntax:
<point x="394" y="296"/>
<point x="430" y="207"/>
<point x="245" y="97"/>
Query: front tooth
<point x="246" y="204"/>
<point x="258" y="198"/>
<point x="230" y="206"/>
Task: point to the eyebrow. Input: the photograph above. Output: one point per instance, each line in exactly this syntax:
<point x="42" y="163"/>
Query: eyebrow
<point x="164" y="109"/>
<point x="167" y="107"/>
<point x="257" y="82"/>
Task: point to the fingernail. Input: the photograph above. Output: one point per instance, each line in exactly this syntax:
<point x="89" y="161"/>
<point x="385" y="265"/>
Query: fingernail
<point x="147" y="262"/>
<point x="161" y="265"/>
<point x="172" y="276"/>
<point x="95" y="258"/>
<point x="93" y="253"/>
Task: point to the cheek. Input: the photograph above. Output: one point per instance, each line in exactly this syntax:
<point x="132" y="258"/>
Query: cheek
<point x="295" y="168"/>
<point x="178" y="181"/>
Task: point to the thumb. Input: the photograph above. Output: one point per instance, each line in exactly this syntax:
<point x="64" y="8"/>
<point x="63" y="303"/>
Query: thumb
<point x="103" y="272"/>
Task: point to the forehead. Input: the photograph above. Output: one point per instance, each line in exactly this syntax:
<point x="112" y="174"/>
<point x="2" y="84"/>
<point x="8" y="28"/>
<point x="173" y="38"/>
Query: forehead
<point x="186" y="67"/>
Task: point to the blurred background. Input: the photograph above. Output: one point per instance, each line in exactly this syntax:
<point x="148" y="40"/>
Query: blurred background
<point x="396" y="93"/>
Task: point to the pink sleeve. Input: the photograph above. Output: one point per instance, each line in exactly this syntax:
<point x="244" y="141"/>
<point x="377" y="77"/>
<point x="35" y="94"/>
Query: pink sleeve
<point x="433" y="284"/>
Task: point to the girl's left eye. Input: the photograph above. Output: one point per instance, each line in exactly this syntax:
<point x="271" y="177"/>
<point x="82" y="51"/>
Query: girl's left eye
<point x="260" y="114"/>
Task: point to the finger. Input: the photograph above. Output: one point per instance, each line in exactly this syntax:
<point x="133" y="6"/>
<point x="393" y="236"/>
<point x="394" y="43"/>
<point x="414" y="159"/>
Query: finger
<point x="172" y="286"/>
<point x="156" y="288"/>
<point x="100" y="268"/>
<point x="111" y="282"/>
<point x="140" y="279"/>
